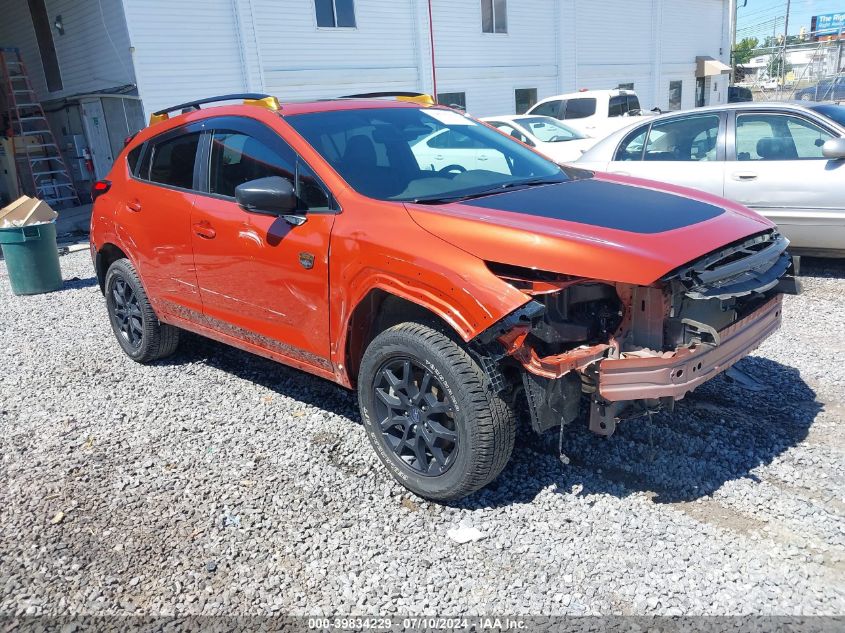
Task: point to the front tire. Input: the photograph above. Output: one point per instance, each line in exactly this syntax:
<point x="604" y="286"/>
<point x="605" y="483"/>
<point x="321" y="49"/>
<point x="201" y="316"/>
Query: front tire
<point x="139" y="332"/>
<point x="431" y="413"/>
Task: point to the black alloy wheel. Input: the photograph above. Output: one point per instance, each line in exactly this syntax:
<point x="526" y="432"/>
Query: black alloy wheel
<point x="416" y="417"/>
<point x="129" y="319"/>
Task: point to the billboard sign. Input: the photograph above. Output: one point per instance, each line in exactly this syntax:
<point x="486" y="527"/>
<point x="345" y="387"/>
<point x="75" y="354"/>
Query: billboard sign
<point x="829" y="24"/>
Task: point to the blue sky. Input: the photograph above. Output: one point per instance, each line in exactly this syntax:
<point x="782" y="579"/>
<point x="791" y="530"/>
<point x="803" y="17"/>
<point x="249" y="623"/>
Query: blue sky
<point x="760" y="17"/>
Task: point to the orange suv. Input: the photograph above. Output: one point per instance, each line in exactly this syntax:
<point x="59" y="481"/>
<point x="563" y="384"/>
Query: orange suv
<point x="451" y="274"/>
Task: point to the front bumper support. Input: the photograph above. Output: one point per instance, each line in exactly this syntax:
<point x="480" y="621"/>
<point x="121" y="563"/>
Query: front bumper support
<point x="650" y="375"/>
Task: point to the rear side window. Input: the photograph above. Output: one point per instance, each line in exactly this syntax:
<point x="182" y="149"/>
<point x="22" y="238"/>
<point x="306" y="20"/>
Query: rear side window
<point x="237" y="158"/>
<point x="550" y="108"/>
<point x="632" y="147"/>
<point x="172" y="161"/>
<point x="579" y="108"/>
<point x="132" y="158"/>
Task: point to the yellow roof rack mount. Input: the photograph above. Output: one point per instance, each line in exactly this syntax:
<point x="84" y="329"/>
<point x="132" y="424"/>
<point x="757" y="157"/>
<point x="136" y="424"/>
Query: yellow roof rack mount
<point x="414" y="97"/>
<point x="271" y="103"/>
<point x="249" y="98"/>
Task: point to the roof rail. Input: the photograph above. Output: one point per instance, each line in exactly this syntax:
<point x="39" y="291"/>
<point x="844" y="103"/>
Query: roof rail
<point x="250" y="98"/>
<point x="416" y="97"/>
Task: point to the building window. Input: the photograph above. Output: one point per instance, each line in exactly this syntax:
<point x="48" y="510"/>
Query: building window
<point x="494" y="16"/>
<point x="335" y="13"/>
<point x="676" y="90"/>
<point x="44" y="35"/>
<point x="453" y="99"/>
<point x="525" y="99"/>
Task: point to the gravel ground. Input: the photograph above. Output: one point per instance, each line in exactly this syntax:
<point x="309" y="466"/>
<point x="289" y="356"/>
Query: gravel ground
<point x="221" y="483"/>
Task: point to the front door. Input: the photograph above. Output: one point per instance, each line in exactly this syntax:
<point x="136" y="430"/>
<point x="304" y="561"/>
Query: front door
<point x="154" y="218"/>
<point x="777" y="168"/>
<point x="261" y="278"/>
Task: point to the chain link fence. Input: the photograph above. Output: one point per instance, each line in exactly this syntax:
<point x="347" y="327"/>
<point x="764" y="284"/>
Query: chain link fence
<point x="807" y="71"/>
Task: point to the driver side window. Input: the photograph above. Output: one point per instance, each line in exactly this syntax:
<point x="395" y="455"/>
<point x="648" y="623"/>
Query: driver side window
<point x="237" y="158"/>
<point x="778" y="137"/>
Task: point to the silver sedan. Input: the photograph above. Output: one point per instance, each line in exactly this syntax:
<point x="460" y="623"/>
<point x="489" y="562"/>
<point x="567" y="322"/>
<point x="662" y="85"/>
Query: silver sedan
<point x="785" y="161"/>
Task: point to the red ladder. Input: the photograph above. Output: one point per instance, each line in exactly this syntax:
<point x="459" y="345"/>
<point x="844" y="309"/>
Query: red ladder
<point x="42" y="172"/>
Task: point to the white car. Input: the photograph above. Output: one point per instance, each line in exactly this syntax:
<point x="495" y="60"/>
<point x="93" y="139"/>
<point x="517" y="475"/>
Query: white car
<point x="594" y="112"/>
<point x="785" y="161"/>
<point x="548" y="136"/>
<point x="450" y="151"/>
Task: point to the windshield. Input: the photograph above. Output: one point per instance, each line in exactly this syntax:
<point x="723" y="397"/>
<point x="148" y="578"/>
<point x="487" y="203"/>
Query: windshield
<point x="549" y="130"/>
<point x="407" y="154"/>
<point x="835" y="112"/>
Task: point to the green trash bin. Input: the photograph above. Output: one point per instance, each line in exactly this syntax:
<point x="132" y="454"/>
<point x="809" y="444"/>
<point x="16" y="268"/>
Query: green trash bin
<point x="32" y="258"/>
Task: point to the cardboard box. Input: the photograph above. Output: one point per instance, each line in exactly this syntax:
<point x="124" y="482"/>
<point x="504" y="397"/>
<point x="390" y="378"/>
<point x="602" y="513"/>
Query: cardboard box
<point x="26" y="210"/>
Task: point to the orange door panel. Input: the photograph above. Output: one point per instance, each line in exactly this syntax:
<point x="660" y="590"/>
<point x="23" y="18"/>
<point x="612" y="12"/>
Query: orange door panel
<point x="155" y="224"/>
<point x="262" y="279"/>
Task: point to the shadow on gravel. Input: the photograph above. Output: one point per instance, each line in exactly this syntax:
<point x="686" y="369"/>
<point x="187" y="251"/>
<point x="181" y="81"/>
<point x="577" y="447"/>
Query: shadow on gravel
<point x="75" y="283"/>
<point x="279" y="378"/>
<point x="717" y="434"/>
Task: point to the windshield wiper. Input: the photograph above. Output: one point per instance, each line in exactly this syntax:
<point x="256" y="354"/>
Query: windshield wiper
<point x="489" y="192"/>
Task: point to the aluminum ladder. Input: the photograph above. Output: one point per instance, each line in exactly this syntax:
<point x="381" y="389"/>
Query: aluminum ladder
<point x="42" y="172"/>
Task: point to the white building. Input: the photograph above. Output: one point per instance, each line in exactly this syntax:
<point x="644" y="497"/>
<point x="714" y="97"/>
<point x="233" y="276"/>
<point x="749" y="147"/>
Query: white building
<point x="488" y="54"/>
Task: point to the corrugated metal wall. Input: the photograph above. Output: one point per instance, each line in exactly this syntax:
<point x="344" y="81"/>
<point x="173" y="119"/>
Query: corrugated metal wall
<point x="551" y="45"/>
<point x="185" y="50"/>
<point x="182" y="50"/>
<point x="93" y="52"/>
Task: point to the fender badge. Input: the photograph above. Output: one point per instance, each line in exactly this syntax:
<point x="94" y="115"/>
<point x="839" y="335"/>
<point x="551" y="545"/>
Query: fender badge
<point x="307" y="260"/>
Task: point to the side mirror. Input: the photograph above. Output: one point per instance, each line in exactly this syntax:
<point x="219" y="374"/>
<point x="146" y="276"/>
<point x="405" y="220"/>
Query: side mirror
<point x="272" y="195"/>
<point x="834" y="149"/>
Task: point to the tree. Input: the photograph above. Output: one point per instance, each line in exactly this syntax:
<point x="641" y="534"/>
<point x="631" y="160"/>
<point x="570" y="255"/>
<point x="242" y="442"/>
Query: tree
<point x="744" y="51"/>
<point x="778" y="66"/>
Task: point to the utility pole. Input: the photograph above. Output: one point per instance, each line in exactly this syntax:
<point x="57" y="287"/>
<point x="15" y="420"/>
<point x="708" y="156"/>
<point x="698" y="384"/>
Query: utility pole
<point x="783" y="53"/>
<point x="732" y="10"/>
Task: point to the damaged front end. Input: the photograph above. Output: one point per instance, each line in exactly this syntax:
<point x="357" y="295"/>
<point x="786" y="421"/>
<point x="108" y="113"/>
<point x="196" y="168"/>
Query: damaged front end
<point x="635" y="349"/>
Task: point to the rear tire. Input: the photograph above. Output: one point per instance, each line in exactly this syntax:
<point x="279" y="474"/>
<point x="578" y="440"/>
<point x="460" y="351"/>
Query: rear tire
<point x="431" y="413"/>
<point x="139" y="332"/>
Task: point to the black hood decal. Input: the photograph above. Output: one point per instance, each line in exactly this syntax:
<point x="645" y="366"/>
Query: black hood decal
<point x="605" y="204"/>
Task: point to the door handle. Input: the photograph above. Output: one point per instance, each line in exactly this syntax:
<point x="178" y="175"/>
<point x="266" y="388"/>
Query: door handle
<point x="134" y="206"/>
<point x="438" y="157"/>
<point x="205" y="231"/>
<point x="744" y="175"/>
<point x="483" y="157"/>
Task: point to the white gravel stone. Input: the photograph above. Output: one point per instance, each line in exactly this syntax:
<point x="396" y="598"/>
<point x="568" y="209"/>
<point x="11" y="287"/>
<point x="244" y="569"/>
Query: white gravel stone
<point x="220" y="482"/>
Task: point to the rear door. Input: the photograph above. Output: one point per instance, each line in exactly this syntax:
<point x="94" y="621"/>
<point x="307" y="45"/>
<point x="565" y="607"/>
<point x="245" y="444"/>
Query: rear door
<point x="154" y="219"/>
<point x="262" y="279"/>
<point x="688" y="151"/>
<point x="777" y="168"/>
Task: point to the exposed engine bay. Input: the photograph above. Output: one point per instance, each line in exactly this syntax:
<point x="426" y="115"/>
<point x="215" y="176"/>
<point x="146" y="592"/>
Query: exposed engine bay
<point x="635" y="349"/>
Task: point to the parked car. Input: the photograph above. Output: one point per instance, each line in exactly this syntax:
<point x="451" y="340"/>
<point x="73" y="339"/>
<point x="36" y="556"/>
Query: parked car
<point x="548" y="136"/>
<point x="831" y="89"/>
<point x="739" y="94"/>
<point x="785" y="161"/>
<point x="832" y="111"/>
<point x="593" y="112"/>
<point x="449" y="150"/>
<point x="308" y="233"/>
